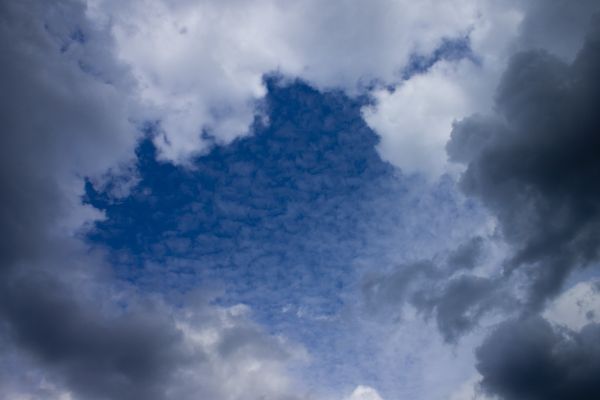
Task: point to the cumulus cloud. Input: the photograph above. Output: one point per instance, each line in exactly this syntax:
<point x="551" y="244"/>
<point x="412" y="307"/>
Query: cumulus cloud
<point x="415" y="119"/>
<point x="199" y="65"/>
<point x="58" y="122"/>
<point x="364" y="393"/>
<point x="68" y="329"/>
<point x="531" y="359"/>
<point x="90" y="338"/>
<point x="533" y="165"/>
<point x="558" y="27"/>
<point x="198" y="68"/>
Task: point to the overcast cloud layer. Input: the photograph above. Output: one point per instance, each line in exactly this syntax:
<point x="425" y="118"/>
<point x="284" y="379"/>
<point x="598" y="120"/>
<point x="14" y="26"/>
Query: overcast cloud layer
<point x="299" y="200"/>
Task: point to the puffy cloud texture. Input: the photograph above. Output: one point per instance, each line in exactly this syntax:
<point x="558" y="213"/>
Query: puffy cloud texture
<point x="535" y="164"/>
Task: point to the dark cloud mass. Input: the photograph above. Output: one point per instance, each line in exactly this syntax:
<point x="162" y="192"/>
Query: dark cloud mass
<point x="66" y="325"/>
<point x="120" y="357"/>
<point x="531" y="360"/>
<point x="558" y="26"/>
<point x="55" y="120"/>
<point x="535" y="165"/>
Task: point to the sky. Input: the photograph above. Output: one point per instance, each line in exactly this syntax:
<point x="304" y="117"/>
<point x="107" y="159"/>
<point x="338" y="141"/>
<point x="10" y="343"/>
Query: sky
<point x="277" y="200"/>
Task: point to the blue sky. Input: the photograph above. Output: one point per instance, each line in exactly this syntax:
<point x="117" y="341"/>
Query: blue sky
<point x="299" y="201"/>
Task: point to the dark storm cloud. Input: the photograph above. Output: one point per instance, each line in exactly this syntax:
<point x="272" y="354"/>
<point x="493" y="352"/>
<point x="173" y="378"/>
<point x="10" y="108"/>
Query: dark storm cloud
<point x="131" y="356"/>
<point x="531" y="360"/>
<point x="535" y="165"/>
<point x="559" y="26"/>
<point x="52" y="121"/>
<point x="55" y="118"/>
<point x="94" y="337"/>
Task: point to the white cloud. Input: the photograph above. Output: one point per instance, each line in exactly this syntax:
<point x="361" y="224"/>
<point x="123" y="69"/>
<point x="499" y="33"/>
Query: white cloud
<point x="199" y="65"/>
<point x="577" y="306"/>
<point x="364" y="393"/>
<point x="415" y="120"/>
<point x="237" y="360"/>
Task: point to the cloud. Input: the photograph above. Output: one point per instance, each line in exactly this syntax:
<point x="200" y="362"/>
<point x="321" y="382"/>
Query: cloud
<point x="468" y="254"/>
<point x="199" y="66"/>
<point x="575" y="307"/>
<point x="533" y="165"/>
<point x="68" y="329"/>
<point x="59" y="123"/>
<point x="83" y="78"/>
<point x="557" y="27"/>
<point x="445" y="288"/>
<point x="364" y="393"/>
<point x="415" y="119"/>
<point x="531" y="359"/>
<point x="95" y="341"/>
<point x="459" y="305"/>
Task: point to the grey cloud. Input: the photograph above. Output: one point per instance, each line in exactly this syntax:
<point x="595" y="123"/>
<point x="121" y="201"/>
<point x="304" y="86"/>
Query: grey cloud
<point x="558" y="26"/>
<point x="443" y="289"/>
<point x="468" y="254"/>
<point x="64" y="116"/>
<point x="99" y="342"/>
<point x="395" y="286"/>
<point x="532" y="360"/>
<point x="125" y="357"/>
<point x="535" y="165"/>
<point x="57" y="121"/>
<point x="460" y="304"/>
